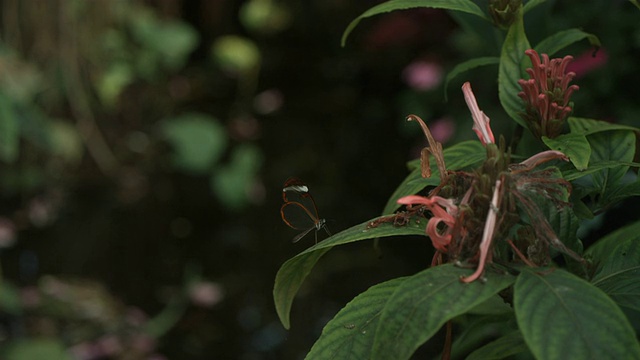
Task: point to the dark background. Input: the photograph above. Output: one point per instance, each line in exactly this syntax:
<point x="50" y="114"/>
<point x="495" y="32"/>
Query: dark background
<point x="340" y="127"/>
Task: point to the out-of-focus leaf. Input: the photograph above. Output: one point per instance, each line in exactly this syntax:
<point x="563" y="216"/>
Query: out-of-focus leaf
<point x="265" y="16"/>
<point x="20" y="81"/>
<point x="232" y="182"/>
<point x="511" y="69"/>
<point x="167" y="41"/>
<point x="10" y="298"/>
<point x="167" y="318"/>
<point x="113" y="81"/>
<point x="175" y="40"/>
<point x="30" y="349"/>
<point x="562" y="39"/>
<point x="531" y="4"/>
<point x="198" y="141"/>
<point x="9" y="130"/>
<point x="65" y="141"/>
<point x="466" y="66"/>
<point x="236" y="54"/>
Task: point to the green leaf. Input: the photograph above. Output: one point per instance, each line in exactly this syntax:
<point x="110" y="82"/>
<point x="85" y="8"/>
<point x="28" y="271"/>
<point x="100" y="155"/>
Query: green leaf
<point x="456" y="157"/>
<point x="466" y="6"/>
<point x="505" y="346"/>
<point x="575" y="146"/>
<point x="532" y="4"/>
<point x="617" y="265"/>
<point x="426" y="301"/>
<point x="466" y="66"/>
<point x="511" y="69"/>
<point x="562" y="316"/>
<point x="586" y="126"/>
<point x="562" y="39"/>
<point x="198" y="141"/>
<point x="295" y="270"/>
<point x="573" y="174"/>
<point x="478" y="330"/>
<point x="622" y="192"/>
<point x="350" y="334"/>
<point x="618" y="145"/>
<point x="9" y="130"/>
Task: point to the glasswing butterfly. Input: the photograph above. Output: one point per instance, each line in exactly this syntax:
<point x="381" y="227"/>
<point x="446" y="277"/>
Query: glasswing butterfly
<point x="299" y="211"/>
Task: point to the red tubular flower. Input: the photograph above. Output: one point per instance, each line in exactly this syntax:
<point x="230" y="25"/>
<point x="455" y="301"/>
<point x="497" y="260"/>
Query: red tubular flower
<point x="546" y="94"/>
<point x="444" y="211"/>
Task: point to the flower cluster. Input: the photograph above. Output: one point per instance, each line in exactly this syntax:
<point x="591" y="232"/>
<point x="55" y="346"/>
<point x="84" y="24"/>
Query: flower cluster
<point x="546" y="94"/>
<point x="469" y="210"/>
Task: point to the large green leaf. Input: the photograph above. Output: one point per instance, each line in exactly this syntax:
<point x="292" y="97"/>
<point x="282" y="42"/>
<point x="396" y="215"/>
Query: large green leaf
<point x="562" y="39"/>
<point x="505" y="346"/>
<point x="586" y="126"/>
<point x="511" y="69"/>
<point x="575" y="146"/>
<point x="466" y="6"/>
<point x="466" y="66"/>
<point x="624" y="191"/>
<point x="618" y="145"/>
<point x="295" y="270"/>
<point x="617" y="261"/>
<point x="350" y="334"/>
<point x="573" y="174"/>
<point x="456" y="157"/>
<point x="561" y="316"/>
<point x="424" y="302"/>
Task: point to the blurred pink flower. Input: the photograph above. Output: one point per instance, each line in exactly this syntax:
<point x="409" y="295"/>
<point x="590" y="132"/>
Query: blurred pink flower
<point x="443" y="129"/>
<point x="587" y="62"/>
<point x="7" y="232"/>
<point x="422" y="75"/>
<point x="205" y="293"/>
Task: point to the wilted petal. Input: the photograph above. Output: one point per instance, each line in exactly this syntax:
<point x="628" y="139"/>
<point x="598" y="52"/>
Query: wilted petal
<point x="487" y="235"/>
<point x="537" y="159"/>
<point x="480" y="120"/>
